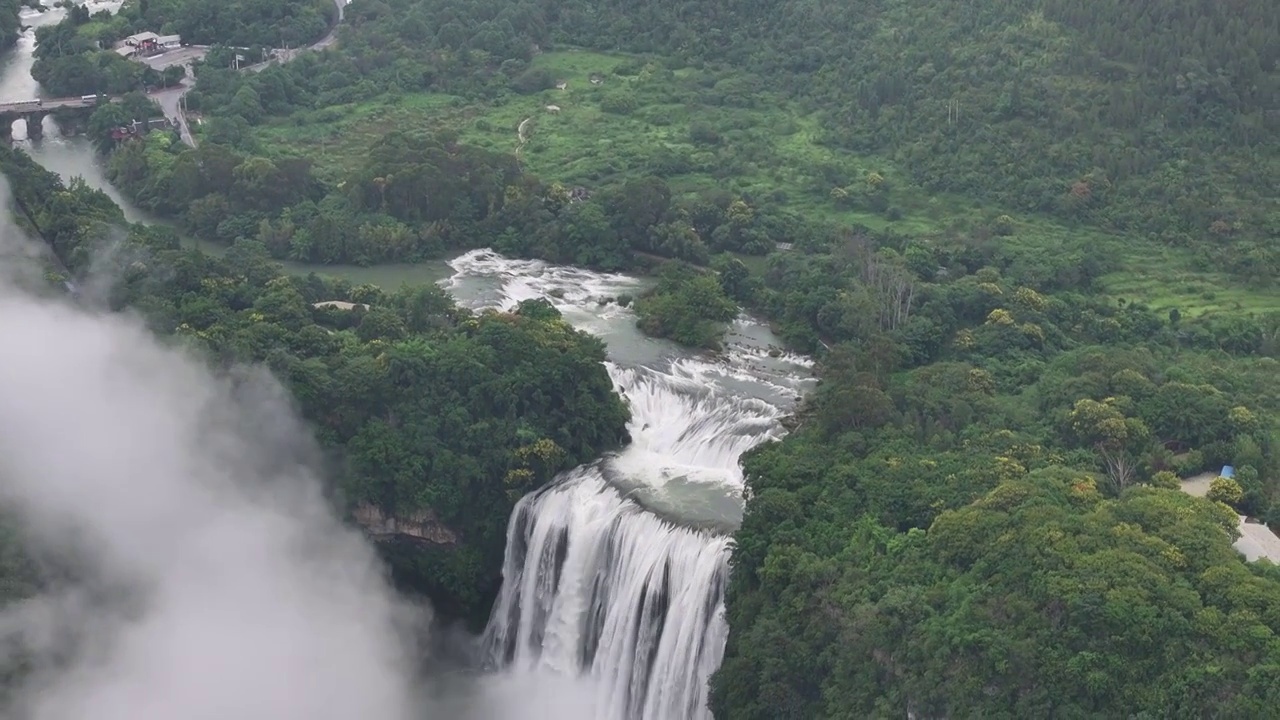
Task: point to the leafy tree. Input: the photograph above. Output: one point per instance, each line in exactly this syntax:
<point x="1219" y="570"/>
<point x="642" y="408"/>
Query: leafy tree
<point x="1225" y="490"/>
<point x="1116" y="438"/>
<point x="687" y="306"/>
<point x="1165" y="480"/>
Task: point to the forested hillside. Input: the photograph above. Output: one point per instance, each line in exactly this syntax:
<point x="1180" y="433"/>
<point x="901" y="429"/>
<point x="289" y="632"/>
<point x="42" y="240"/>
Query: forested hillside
<point x="1033" y="243"/>
<point x="1000" y="533"/>
<point x="1153" y="117"/>
<point x="979" y="515"/>
<point x="436" y="415"/>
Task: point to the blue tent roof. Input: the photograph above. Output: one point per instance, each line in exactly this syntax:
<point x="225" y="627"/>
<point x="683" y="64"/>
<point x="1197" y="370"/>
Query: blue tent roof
<point x="1227" y="471"/>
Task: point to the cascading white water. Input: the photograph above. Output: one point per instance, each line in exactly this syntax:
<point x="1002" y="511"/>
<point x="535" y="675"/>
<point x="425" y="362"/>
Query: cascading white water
<point x="597" y="585"/>
<point x="616" y="572"/>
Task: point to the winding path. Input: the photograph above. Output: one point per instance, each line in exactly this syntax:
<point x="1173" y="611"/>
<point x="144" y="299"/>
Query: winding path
<point x="285" y="55"/>
<point x="521" y="137"/>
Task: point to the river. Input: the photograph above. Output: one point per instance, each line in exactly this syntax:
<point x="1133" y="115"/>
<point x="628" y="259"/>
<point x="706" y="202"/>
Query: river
<point x="615" y="574"/>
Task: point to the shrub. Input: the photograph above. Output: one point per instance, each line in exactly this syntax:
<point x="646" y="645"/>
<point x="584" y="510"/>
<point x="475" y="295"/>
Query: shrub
<point x="1166" y="480"/>
<point x="619" y="103"/>
<point x="1225" y="490"/>
<point x="532" y="81"/>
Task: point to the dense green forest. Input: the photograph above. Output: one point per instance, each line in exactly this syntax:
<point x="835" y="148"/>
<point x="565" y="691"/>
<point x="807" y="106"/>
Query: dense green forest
<point x="437" y="413"/>
<point x="1155" y="124"/>
<point x="979" y="515"/>
<point x="994" y="528"/>
<point x="239" y="23"/>
<point x="687" y="306"/>
<point x="1030" y="241"/>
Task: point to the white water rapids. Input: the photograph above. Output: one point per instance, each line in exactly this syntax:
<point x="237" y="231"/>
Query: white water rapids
<point x="616" y="572"/>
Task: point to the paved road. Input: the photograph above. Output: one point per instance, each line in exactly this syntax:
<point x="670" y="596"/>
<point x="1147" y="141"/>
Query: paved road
<point x="178" y="56"/>
<point x="284" y="56"/>
<point x="170" y="101"/>
<point x="1256" y="540"/>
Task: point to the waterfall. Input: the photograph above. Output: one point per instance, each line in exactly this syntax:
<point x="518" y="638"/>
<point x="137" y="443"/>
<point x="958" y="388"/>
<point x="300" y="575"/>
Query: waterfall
<point x="616" y="571"/>
<point x="596" y="585"/>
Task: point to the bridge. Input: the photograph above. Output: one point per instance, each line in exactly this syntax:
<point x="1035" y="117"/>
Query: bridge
<point x="34" y="111"/>
<point x="28" y="107"/>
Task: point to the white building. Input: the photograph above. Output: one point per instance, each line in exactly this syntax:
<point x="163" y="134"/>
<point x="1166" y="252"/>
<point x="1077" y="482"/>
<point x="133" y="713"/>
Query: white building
<point x="141" y="39"/>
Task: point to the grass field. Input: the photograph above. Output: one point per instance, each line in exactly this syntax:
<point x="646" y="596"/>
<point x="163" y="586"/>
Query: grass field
<point x="1164" y="278"/>
<point x="768" y="150"/>
<point x="750" y="141"/>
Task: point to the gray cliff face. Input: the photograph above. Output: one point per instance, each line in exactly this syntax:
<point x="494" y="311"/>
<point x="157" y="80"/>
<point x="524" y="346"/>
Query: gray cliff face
<point x="421" y="526"/>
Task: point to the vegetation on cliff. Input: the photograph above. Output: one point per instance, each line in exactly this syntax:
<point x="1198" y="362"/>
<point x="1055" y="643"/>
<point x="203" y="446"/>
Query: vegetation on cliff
<point x="428" y="407"/>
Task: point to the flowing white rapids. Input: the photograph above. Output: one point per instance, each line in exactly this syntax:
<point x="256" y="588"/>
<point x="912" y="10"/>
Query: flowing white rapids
<point x="616" y="572"/>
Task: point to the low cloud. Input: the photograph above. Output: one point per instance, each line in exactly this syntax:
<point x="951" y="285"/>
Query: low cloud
<point x="211" y="578"/>
<point x="202" y="573"/>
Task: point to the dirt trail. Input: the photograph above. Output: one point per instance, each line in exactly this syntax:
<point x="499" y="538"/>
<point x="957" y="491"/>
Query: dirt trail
<point x="1198" y="485"/>
<point x="521" y="135"/>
